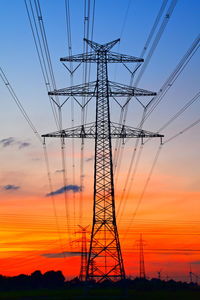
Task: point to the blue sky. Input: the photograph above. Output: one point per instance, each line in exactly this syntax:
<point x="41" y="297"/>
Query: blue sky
<point x="20" y="63"/>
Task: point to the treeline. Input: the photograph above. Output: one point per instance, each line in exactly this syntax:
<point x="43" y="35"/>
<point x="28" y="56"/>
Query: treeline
<point x="141" y="284"/>
<point x="37" y="280"/>
<point x="56" y="280"/>
<point x="156" y="284"/>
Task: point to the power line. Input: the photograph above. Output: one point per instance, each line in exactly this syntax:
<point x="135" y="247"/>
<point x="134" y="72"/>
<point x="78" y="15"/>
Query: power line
<point x="41" y="55"/>
<point x="19" y="105"/>
<point x="157" y="39"/>
<point x="144" y="187"/>
<point x="182" y="131"/>
<point x="186" y="58"/>
<point x="173" y="76"/>
<point x="40" y="38"/>
<point x="33" y="128"/>
<point x="124" y="111"/>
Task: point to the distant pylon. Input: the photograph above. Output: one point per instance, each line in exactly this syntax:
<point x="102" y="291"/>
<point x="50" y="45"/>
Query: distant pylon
<point x="193" y="275"/>
<point x="142" y="266"/>
<point x="159" y="274"/>
<point x="84" y="254"/>
<point x="190" y="273"/>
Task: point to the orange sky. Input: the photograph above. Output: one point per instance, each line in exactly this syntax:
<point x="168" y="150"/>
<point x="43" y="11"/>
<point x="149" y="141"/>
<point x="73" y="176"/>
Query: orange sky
<point x="170" y="243"/>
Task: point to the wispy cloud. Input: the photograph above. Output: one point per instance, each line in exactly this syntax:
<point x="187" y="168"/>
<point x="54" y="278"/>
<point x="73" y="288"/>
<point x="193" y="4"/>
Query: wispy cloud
<point x="59" y="171"/>
<point x="23" y="144"/>
<point x="196" y="262"/>
<point x="7" y="142"/>
<point x="11" y="187"/>
<point x="61" y="254"/>
<point x="89" y="159"/>
<point x="11" y="141"/>
<point x="66" y="188"/>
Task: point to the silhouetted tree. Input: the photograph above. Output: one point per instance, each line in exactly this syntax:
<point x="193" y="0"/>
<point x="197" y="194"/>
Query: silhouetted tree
<point x="36" y="279"/>
<point x="53" y="279"/>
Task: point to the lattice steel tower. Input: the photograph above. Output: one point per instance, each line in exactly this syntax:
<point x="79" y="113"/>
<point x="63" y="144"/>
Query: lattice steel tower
<point x="105" y="258"/>
<point x="142" y="266"/>
<point x="83" y="240"/>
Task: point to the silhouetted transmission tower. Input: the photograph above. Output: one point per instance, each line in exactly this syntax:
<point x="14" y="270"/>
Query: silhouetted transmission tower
<point x="105" y="257"/>
<point x="142" y="266"/>
<point x="83" y="231"/>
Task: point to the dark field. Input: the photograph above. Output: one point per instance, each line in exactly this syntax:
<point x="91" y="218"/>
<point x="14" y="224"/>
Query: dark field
<point x="97" y="294"/>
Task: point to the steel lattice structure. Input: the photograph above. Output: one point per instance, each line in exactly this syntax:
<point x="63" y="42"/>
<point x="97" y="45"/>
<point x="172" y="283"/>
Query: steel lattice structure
<point x="83" y="231"/>
<point x="142" y="266"/>
<point x="105" y="260"/>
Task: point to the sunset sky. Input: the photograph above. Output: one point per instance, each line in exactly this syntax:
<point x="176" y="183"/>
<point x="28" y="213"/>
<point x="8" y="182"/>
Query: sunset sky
<point x="161" y="201"/>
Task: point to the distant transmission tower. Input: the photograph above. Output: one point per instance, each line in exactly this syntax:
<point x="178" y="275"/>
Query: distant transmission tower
<point x="105" y="258"/>
<point x="142" y="266"/>
<point x="84" y="254"/>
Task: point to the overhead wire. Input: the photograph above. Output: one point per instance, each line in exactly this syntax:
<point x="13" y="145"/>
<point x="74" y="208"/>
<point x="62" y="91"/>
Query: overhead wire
<point x="72" y="117"/>
<point x="124" y="112"/>
<point x="70" y="50"/>
<point x="156" y="40"/>
<point x="41" y="55"/>
<point x="123" y="200"/>
<point x="33" y="128"/>
<point x="40" y="41"/>
<point x="178" y="113"/>
<point x="139" y="201"/>
<point x="154" y="27"/>
<point x="153" y="166"/>
<point x="173" y="118"/>
<point x="86" y="78"/>
<point x="19" y="105"/>
<point x="182" y="131"/>
<point x="125" y="196"/>
<point x="153" y="103"/>
<point x="180" y="67"/>
<point x="45" y="44"/>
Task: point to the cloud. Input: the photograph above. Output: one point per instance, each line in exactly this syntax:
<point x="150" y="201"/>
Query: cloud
<point x="11" y="187"/>
<point x="11" y="141"/>
<point x="197" y="262"/>
<point x="7" y="142"/>
<point x="59" y="171"/>
<point x="89" y="159"/>
<point x="67" y="188"/>
<point x="23" y="144"/>
<point x="36" y="159"/>
<point x="61" y="254"/>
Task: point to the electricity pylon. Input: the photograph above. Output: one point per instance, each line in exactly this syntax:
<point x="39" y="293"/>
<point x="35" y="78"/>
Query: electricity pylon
<point x="105" y="250"/>
<point x="142" y="266"/>
<point x="83" y="231"/>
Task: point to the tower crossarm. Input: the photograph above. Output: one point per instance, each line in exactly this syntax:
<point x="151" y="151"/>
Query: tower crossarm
<point x="111" y="57"/>
<point x="90" y="57"/>
<point x="114" y="89"/>
<point x="124" y="131"/>
<point x="122" y="90"/>
<point x="117" y="131"/>
<point x="86" y="89"/>
<point x="82" y="131"/>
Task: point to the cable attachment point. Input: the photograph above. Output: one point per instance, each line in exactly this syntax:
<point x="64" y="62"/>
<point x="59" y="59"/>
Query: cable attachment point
<point x="123" y="134"/>
<point x="142" y="135"/>
<point x="82" y="134"/>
